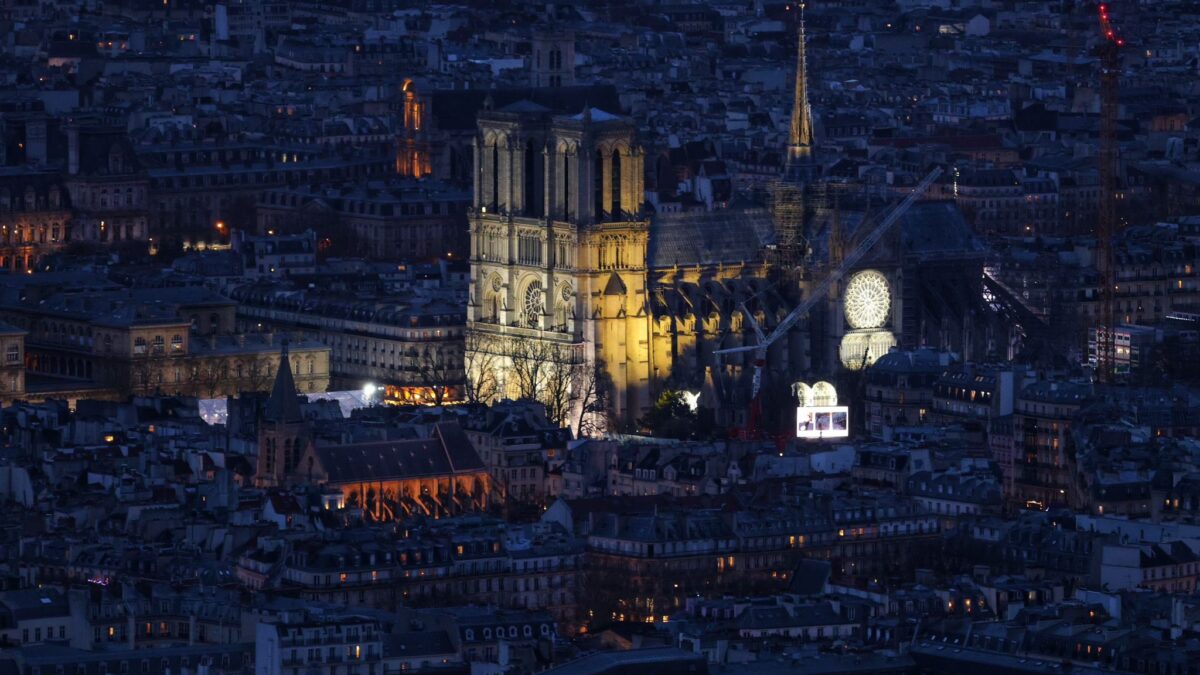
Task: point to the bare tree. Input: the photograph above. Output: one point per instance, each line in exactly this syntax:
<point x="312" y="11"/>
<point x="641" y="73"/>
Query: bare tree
<point x="259" y="373"/>
<point x="191" y="374"/>
<point x="559" y="389"/>
<point x="141" y="375"/>
<point x="594" y="395"/>
<point x="147" y="374"/>
<point x="529" y="360"/>
<point x="212" y="376"/>
<point x="480" y="364"/>
<point x="437" y="371"/>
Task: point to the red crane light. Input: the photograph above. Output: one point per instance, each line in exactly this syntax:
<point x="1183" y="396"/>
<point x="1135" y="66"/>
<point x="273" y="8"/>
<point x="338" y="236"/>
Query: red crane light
<point x="1106" y="27"/>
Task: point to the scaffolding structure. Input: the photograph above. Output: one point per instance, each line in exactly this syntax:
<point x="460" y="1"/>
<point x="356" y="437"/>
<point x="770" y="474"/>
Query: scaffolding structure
<point x="789" y="215"/>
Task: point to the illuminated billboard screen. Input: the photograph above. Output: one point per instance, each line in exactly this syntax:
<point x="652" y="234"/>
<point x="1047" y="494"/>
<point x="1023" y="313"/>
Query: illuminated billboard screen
<point x="822" y="421"/>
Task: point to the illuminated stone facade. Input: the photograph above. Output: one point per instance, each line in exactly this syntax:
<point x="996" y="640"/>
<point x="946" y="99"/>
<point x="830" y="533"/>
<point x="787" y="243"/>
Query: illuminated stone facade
<point x="108" y="188"/>
<point x="34" y="216"/>
<point x="438" y="476"/>
<point x="559" y="244"/>
<point x="117" y="343"/>
<point x="412" y="144"/>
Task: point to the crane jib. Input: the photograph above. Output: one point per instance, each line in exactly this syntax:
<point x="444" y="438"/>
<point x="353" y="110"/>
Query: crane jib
<point x="848" y="262"/>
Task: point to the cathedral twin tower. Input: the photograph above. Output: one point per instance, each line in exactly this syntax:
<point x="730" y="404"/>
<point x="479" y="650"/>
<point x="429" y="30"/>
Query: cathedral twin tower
<point x="579" y="169"/>
<point x="558" y="250"/>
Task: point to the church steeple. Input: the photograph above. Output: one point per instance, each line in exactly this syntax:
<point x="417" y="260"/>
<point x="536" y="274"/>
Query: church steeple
<point x="800" y="137"/>
<point x="282" y="430"/>
<point x="282" y="406"/>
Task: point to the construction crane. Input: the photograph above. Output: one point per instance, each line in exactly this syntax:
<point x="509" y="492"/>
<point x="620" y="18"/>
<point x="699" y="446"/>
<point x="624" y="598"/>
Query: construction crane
<point x="1107" y="226"/>
<point x="849" y="260"/>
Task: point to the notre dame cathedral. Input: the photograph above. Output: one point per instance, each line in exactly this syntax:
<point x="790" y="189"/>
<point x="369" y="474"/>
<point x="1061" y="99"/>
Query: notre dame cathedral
<point x="558" y="242"/>
<point x="564" y="255"/>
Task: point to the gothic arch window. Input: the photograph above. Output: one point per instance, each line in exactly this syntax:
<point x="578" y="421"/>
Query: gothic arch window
<point x="30" y="199"/>
<point x="568" y="209"/>
<point x="598" y="186"/>
<point x="529" y="248"/>
<point x="495" y="186"/>
<point x="562" y="251"/>
<point x="613" y="251"/>
<point x="531" y="174"/>
<point x="490" y="302"/>
<point x="562" y="306"/>
<point x="615" y="196"/>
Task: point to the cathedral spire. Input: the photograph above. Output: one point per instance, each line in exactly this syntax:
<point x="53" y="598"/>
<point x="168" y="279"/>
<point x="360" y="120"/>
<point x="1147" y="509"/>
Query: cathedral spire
<point x="800" y="136"/>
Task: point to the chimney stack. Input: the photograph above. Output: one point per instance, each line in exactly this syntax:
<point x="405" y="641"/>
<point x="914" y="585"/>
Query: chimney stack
<point x="35" y="141"/>
<point x="73" y="150"/>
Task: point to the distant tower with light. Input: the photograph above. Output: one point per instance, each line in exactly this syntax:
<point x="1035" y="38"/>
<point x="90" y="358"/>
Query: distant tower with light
<point x="552" y="61"/>
<point x="789" y="199"/>
<point x="799" y="163"/>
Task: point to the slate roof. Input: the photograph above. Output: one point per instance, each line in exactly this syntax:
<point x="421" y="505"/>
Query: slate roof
<point x="614" y="286"/>
<point x="772" y="617"/>
<point x="810" y="577"/>
<point x="709" y="237"/>
<point x="34" y="603"/>
<point x="457" y="110"/>
<point x="930" y="228"/>
<point x="412" y="644"/>
<point x="9" y="329"/>
<point x="650" y="661"/>
<point x="446" y="452"/>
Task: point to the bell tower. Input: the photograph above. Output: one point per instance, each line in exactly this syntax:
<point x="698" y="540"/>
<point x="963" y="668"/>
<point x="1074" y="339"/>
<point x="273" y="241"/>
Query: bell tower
<point x="282" y="431"/>
<point x="552" y="61"/>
